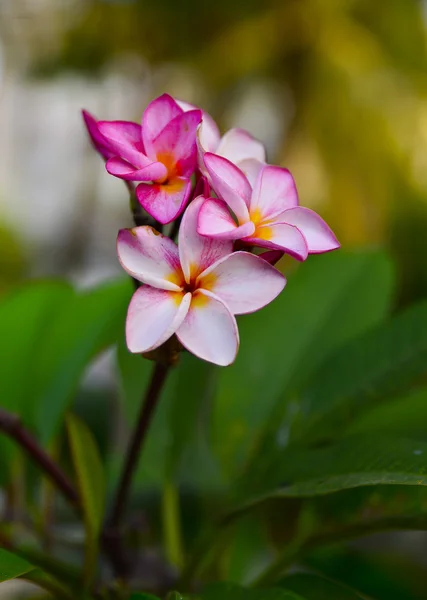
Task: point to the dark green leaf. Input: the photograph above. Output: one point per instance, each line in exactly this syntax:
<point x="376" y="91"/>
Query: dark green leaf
<point x="354" y="462"/>
<point x="382" y="364"/>
<point x="12" y="566"/>
<point x="405" y="417"/>
<point x="91" y="482"/>
<point x="313" y="587"/>
<point x="142" y="596"/>
<point x="380" y="575"/>
<point x="87" y="324"/>
<point x="328" y="301"/>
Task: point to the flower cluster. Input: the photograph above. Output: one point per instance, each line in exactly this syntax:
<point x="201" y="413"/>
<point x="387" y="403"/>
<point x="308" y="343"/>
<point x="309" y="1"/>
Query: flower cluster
<point x="229" y="201"/>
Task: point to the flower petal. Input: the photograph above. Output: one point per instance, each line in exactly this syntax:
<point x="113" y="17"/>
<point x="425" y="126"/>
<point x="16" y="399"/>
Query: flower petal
<point x="216" y="221"/>
<point x="317" y="233"/>
<point x="124" y="138"/>
<point x="271" y="256"/>
<point x="208" y="134"/>
<point x="230" y="184"/>
<point x="156" y="116"/>
<point x="274" y="192"/>
<point x="150" y="257"/>
<point x="165" y="202"/>
<point x="197" y="252"/>
<point x="121" y="168"/>
<point x="99" y="141"/>
<point x="238" y="144"/>
<point x="175" y="146"/>
<point x="209" y="330"/>
<point x="281" y="236"/>
<point x="153" y="317"/>
<point x="243" y="281"/>
<point x="251" y="168"/>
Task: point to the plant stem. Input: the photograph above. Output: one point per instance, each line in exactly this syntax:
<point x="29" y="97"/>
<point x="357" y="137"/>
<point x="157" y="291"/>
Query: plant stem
<point x="11" y="425"/>
<point x="111" y="534"/>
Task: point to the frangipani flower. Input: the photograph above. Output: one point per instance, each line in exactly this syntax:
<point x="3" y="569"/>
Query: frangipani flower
<point x="268" y="214"/>
<point x="162" y="153"/>
<point x="192" y="289"/>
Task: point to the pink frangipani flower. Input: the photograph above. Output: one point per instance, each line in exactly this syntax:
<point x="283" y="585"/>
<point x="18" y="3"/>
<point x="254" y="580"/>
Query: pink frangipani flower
<point x="192" y="290"/>
<point x="162" y="153"/>
<point x="268" y="214"/>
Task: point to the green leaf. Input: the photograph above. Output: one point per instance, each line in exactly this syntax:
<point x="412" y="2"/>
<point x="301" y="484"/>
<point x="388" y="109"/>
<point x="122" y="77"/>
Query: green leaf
<point x="25" y="315"/>
<point x="12" y="566"/>
<point x="87" y="324"/>
<point x="382" y="364"/>
<point x="91" y="482"/>
<point x="314" y="587"/>
<point x="331" y="299"/>
<point x="142" y="596"/>
<point x="404" y="417"/>
<point x="230" y="591"/>
<point x="180" y="419"/>
<point x="193" y="390"/>
<point x="354" y="462"/>
<point x="380" y="575"/>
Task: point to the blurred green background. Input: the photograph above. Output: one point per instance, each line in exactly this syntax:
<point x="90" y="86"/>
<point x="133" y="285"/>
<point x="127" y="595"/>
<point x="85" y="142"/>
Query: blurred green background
<point x="336" y="89"/>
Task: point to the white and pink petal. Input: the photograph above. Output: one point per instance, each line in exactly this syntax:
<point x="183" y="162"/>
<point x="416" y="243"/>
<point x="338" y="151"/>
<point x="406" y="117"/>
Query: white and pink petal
<point x="216" y="221"/>
<point x="238" y="144"/>
<point x="197" y="252"/>
<point x="150" y="257"/>
<point x="319" y="236"/>
<point x="243" y="281"/>
<point x="210" y="330"/>
<point x="230" y="184"/>
<point x="274" y="192"/>
<point x="280" y="236"/>
<point x="153" y="317"/>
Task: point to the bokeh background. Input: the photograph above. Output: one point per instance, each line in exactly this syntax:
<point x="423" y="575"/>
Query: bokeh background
<point x="336" y="89"/>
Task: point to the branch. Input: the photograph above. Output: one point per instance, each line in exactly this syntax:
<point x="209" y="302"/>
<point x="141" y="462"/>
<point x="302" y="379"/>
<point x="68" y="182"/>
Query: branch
<point x="11" y="425"/>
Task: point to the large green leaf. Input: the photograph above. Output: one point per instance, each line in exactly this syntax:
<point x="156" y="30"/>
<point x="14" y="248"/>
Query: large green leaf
<point x="142" y="596"/>
<point x="90" y="322"/>
<point x="12" y="566"/>
<point x="329" y="300"/>
<point x="354" y="462"/>
<point x="313" y="587"/>
<point x="91" y="482"/>
<point x="382" y="364"/>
